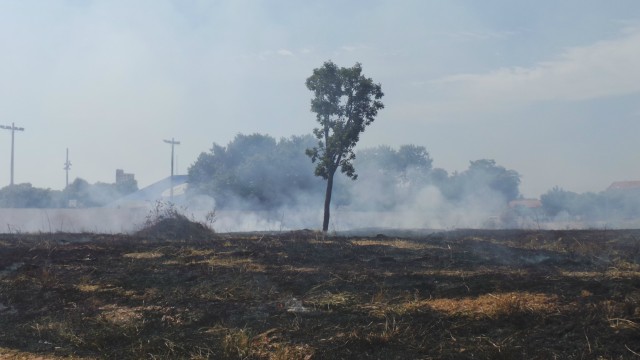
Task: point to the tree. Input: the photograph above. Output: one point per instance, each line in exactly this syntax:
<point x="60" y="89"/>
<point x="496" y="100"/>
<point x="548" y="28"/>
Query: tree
<point x="414" y="157"/>
<point x="345" y="102"/>
<point x="25" y="196"/>
<point x="242" y="174"/>
<point x="485" y="173"/>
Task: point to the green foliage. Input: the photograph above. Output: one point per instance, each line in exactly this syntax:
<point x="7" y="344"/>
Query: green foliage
<point x="87" y="195"/>
<point x="345" y="102"/>
<point x="255" y="171"/>
<point x="557" y="200"/>
<point x="481" y="178"/>
<point x="26" y="196"/>
<point x="605" y="205"/>
<point x="397" y="162"/>
<point x="258" y="172"/>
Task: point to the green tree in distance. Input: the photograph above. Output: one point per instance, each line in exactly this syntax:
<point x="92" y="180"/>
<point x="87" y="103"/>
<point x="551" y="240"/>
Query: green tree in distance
<point x="345" y="102"/>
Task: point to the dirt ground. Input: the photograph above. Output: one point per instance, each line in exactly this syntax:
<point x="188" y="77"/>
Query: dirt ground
<point x="465" y="294"/>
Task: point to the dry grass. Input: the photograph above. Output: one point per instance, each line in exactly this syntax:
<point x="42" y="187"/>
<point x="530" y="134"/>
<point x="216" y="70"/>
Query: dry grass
<point x="495" y="306"/>
<point x="454" y="295"/>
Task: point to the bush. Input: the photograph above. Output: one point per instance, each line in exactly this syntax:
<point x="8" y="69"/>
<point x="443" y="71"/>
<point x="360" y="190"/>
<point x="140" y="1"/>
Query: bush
<point x="165" y="221"/>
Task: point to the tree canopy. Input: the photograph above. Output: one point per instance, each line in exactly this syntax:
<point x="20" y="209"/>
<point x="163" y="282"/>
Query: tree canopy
<point x="86" y="195"/>
<point x="26" y="196"/>
<point x="255" y="171"/>
<point x="345" y="103"/>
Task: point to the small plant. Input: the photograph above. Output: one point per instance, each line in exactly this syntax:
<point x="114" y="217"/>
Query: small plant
<point x="161" y="211"/>
<point x="236" y="344"/>
<point x="210" y="218"/>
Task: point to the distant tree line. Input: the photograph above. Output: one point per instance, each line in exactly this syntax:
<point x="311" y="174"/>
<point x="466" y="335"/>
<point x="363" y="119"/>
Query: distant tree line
<point x="79" y="191"/>
<point x="255" y="172"/>
<point x="258" y="172"/>
<point x="397" y="175"/>
<point x="614" y="204"/>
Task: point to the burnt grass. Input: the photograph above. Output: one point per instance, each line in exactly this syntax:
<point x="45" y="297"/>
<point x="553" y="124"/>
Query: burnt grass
<point x="465" y="294"/>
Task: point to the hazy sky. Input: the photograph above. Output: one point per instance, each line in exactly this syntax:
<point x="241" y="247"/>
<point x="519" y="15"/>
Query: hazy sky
<point x="550" y="89"/>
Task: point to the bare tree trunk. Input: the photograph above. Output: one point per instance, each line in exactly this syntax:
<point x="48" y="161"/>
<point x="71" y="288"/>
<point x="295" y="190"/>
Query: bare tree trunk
<point x="327" y="202"/>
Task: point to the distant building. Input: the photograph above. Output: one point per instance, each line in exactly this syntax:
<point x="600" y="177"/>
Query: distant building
<point x="624" y="185"/>
<point x="124" y="178"/>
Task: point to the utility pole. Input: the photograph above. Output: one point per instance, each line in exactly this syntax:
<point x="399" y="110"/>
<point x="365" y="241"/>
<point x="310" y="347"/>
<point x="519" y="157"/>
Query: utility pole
<point x="13" y="129"/>
<point x="67" y="167"/>
<point x="173" y="142"/>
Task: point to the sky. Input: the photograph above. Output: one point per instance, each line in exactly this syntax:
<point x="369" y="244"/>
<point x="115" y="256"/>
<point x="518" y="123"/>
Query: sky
<point x="550" y="89"/>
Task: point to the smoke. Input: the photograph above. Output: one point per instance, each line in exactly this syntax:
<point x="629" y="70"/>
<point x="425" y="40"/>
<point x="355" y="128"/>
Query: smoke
<point x="88" y="220"/>
<point x="256" y="183"/>
<point x="424" y="207"/>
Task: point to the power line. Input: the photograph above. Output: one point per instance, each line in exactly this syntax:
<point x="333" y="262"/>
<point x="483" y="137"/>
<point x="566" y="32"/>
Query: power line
<point x="13" y="129"/>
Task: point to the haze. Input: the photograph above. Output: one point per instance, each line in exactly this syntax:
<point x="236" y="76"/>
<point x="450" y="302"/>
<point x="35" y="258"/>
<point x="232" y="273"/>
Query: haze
<point x="549" y="89"/>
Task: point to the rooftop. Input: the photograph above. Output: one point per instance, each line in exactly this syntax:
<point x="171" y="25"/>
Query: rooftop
<point x="624" y="185"/>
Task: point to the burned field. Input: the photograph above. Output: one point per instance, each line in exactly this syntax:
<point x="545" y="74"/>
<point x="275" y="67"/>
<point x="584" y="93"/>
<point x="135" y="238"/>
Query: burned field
<point x="299" y="295"/>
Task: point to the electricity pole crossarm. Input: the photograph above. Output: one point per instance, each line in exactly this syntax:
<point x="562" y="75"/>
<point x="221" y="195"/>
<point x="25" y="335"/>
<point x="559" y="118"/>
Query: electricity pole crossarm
<point x="13" y="129"/>
<point x="173" y="143"/>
